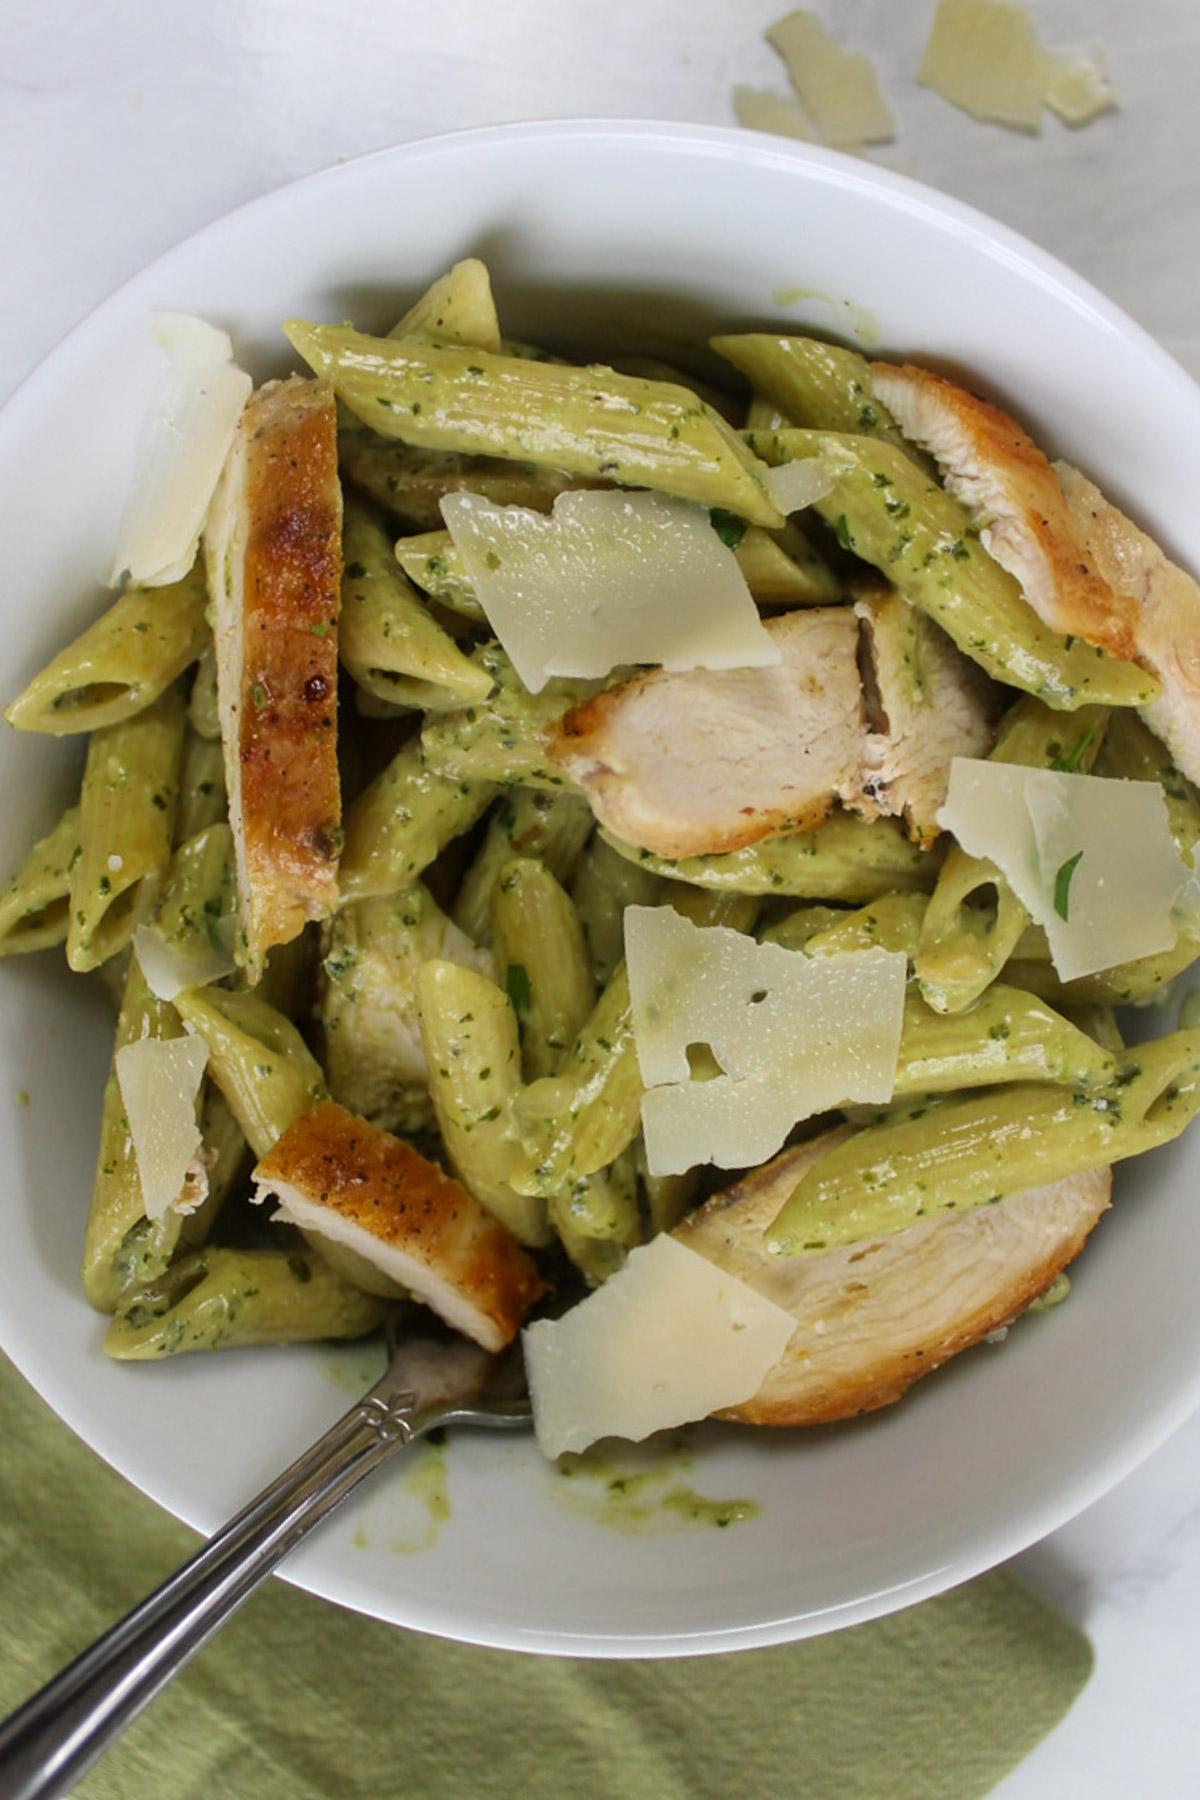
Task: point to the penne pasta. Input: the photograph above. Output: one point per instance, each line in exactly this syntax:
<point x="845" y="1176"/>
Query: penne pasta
<point x="121" y="664"/>
<point x="846" y="858"/>
<point x="388" y="640"/>
<point x="824" y="387"/>
<point x="541" y="962"/>
<point x="223" y="1299"/>
<point x="35" y="900"/>
<point x="967" y="1152"/>
<point x="504" y="738"/>
<point x="469" y="1033"/>
<point x="257" y="1058"/>
<point x="117" y="1207"/>
<point x="127" y="806"/>
<point x="403" y="821"/>
<point x="553" y="827"/>
<point x="590" y="422"/>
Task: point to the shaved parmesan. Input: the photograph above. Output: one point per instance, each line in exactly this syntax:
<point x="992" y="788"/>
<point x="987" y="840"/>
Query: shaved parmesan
<point x="983" y="57"/>
<point x="791" y="1036"/>
<point x="1075" y="85"/>
<point x="607" y="579"/>
<point x="669" y="1338"/>
<point x="171" y="970"/>
<point x="795" y="485"/>
<point x="758" y="109"/>
<point x="160" y="1081"/>
<point x="837" y="87"/>
<point x="182" y="451"/>
<point x="1090" y="858"/>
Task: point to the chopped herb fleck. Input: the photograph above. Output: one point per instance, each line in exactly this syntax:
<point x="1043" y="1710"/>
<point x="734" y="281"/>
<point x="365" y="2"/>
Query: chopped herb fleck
<point x="728" y="527"/>
<point x="1068" y="764"/>
<point x="1062" y="885"/>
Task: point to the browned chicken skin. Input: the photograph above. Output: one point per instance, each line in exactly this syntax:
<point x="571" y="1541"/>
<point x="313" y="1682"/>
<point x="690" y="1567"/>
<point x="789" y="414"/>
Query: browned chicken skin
<point x="273" y="549"/>
<point x="993" y="466"/>
<point x="1166" y="603"/>
<point x="349" y="1181"/>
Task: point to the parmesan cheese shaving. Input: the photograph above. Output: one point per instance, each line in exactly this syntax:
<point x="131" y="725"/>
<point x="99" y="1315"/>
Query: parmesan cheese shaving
<point x="182" y="451"/>
<point x="170" y="972"/>
<point x="669" y="1338"/>
<point x="1075" y="85"/>
<point x="607" y="579"/>
<point x="836" y="86"/>
<point x="1090" y="858"/>
<point x="160" y="1081"/>
<point x="791" y="1036"/>
<point x="758" y="109"/>
<point x="983" y="57"/>
<point x="795" y="485"/>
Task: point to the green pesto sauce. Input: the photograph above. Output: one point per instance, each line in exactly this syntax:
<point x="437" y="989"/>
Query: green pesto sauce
<point x="407" y="1513"/>
<point x="862" y="323"/>
<point x="642" y="1490"/>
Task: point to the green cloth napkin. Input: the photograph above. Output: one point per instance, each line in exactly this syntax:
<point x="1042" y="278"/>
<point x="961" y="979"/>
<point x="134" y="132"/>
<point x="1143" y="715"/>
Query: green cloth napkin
<point x="298" y="1700"/>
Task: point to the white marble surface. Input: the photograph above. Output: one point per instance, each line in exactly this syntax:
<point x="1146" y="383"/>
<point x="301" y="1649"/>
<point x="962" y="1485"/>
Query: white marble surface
<point x="125" y="125"/>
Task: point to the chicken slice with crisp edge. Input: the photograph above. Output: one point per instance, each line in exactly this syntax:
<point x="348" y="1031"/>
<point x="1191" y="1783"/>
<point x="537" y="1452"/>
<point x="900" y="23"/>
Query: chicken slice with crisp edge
<point x="273" y="555"/>
<point x="873" y="1317"/>
<point x="356" y="1186"/>
<point x="1166" y="602"/>
<point x="990" y="464"/>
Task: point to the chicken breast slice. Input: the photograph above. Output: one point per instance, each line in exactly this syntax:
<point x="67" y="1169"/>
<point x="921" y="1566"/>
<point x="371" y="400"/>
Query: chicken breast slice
<point x="1166" y="603"/>
<point x="1008" y="486"/>
<point x="345" y="1180"/>
<point x="700" y="761"/>
<point x="873" y="1317"/>
<point x="273" y="556"/>
<point x="929" y="703"/>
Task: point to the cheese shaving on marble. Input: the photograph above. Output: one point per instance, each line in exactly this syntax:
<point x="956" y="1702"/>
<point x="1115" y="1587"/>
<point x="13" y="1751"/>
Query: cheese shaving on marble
<point x="182" y="451"/>
<point x="837" y="88"/>
<point x="668" y="1339"/>
<point x="604" y="580"/>
<point x="792" y="1036"/>
<point x="983" y="56"/>
<point x="759" y="109"/>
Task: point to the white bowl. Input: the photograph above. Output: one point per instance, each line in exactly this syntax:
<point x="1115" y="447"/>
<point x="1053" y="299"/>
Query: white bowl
<point x="592" y="229"/>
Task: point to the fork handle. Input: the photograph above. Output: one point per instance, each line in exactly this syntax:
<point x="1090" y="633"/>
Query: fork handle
<point x="49" y="1742"/>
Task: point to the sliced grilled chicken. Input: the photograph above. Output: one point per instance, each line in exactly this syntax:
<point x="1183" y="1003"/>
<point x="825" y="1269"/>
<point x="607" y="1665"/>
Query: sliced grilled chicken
<point x="1166" y="602"/>
<point x="873" y="1317"/>
<point x="273" y="554"/>
<point x="353" y="1184"/>
<point x="929" y="703"/>
<point x="700" y="761"/>
<point x="998" y="473"/>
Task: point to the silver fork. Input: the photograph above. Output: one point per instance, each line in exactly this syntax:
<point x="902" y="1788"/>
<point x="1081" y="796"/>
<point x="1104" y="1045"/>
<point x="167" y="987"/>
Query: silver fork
<point x="434" y="1378"/>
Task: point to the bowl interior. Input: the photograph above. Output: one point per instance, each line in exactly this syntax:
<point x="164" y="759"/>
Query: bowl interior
<point x="612" y="235"/>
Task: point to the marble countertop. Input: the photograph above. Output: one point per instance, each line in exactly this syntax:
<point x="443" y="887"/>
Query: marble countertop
<point x="127" y="125"/>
